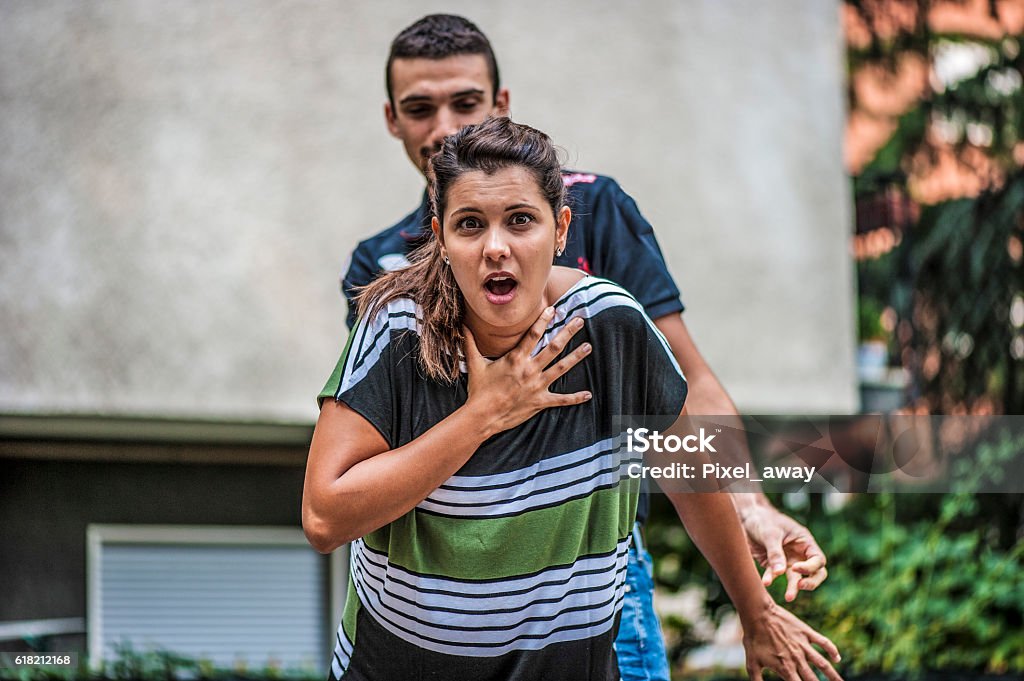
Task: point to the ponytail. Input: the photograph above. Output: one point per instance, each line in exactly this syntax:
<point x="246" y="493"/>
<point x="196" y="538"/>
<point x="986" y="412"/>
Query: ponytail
<point x="429" y="282"/>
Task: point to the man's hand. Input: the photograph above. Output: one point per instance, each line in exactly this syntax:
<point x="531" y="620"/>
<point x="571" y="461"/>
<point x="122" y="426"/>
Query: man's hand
<point x="780" y="545"/>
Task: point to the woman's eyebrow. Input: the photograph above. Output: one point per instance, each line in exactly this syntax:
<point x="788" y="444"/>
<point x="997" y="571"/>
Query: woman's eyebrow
<point x="517" y="206"/>
<point x="466" y="209"/>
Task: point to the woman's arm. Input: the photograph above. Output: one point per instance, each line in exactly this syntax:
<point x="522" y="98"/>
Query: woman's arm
<point x="773" y="638"/>
<point x="354" y="484"/>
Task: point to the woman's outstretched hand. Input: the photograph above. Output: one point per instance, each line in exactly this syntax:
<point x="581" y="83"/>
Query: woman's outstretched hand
<point x="781" y="641"/>
<point x="513" y="388"/>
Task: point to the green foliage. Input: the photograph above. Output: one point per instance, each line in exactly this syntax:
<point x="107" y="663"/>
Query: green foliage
<point x="954" y="276"/>
<point x="869" y="320"/>
<point x="890" y="159"/>
<point x="922" y="583"/>
<point x="918" y="583"/>
<point x="966" y="278"/>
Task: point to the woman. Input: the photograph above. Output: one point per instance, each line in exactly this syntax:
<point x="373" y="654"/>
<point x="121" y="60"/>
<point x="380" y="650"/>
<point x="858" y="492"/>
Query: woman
<point x="471" y="454"/>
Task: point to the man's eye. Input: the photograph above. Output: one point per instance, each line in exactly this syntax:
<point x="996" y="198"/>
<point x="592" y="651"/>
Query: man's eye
<point x="465" y="105"/>
<point x="521" y="219"/>
<point x="418" y="112"/>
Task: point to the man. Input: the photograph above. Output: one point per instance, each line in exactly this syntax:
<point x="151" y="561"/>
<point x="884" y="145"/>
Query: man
<point x="442" y="75"/>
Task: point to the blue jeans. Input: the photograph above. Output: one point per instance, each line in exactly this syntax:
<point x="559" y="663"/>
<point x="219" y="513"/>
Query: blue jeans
<point x="639" y="645"/>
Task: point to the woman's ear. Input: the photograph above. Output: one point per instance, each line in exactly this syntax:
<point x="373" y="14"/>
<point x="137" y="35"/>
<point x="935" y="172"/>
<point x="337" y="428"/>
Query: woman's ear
<point x="562" y="228"/>
<point x="435" y="227"/>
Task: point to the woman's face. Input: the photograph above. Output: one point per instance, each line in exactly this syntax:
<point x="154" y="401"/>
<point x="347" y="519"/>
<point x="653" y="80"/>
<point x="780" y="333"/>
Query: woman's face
<point x="500" y="238"/>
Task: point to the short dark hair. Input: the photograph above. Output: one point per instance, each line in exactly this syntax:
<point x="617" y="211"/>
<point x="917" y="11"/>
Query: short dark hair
<point x="437" y="36"/>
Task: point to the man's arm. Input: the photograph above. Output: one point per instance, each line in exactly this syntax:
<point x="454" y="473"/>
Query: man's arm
<point x="620" y="245"/>
<point x="780" y="544"/>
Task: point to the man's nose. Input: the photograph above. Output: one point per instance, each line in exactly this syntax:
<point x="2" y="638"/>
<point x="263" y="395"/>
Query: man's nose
<point x="445" y="124"/>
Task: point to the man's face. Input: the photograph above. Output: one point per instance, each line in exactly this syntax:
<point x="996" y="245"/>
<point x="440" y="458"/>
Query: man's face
<point x="435" y="98"/>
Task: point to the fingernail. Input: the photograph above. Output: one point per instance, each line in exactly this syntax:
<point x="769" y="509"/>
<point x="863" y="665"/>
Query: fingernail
<point x="778" y="567"/>
<point x="586" y="347"/>
<point x="577" y="321"/>
<point x="549" y="312"/>
<point x="587" y="395"/>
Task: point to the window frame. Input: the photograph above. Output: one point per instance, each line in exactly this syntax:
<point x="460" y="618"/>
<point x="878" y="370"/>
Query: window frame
<point x="99" y="535"/>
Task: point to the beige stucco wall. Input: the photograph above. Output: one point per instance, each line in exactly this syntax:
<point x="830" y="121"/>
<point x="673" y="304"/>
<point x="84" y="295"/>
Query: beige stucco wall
<point x="181" y="182"/>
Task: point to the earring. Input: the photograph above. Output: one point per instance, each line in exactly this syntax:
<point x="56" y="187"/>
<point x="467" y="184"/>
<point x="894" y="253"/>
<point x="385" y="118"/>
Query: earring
<point x="558" y="252"/>
<point x="447" y="261"/>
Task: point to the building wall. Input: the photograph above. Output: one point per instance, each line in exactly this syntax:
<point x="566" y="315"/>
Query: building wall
<point x="51" y="492"/>
<point x="183" y="181"/>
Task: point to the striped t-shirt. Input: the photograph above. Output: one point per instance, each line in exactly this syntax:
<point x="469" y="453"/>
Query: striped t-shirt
<point x="515" y="567"/>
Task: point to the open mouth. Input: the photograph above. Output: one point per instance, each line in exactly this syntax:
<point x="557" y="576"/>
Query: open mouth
<point x="500" y="288"/>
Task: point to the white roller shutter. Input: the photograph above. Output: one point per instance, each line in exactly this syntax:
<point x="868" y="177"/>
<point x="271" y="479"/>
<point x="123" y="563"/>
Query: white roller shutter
<point x="253" y="596"/>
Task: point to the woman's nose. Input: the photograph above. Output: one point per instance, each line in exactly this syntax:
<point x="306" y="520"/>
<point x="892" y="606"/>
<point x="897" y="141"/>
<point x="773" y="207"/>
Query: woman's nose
<point x="496" y="247"/>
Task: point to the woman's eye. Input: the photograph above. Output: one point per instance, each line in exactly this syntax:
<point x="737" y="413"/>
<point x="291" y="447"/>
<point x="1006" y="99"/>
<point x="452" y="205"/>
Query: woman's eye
<point x="469" y="223"/>
<point x="521" y="219"/>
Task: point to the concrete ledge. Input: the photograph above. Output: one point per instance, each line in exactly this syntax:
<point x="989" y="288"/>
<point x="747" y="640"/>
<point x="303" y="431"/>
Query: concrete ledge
<point x="95" y="428"/>
<point x="14" y="631"/>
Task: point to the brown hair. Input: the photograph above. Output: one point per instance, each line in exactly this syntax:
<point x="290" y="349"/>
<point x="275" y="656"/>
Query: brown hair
<point x="495" y="144"/>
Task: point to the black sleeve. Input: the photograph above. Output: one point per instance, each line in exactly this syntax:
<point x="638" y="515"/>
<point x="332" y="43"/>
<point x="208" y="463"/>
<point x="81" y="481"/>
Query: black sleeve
<point x="362" y="269"/>
<point x="639" y="374"/>
<point x="627" y="252"/>
<point x="666" y="387"/>
<point x="662" y="388"/>
<point x="368" y="375"/>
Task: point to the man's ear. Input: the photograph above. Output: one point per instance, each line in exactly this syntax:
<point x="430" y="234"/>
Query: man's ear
<point x="391" y="120"/>
<point x="501" y="102"/>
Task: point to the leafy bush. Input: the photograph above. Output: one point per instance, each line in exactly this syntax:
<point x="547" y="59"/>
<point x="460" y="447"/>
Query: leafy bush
<point x="917" y="583"/>
<point x="926" y="582"/>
